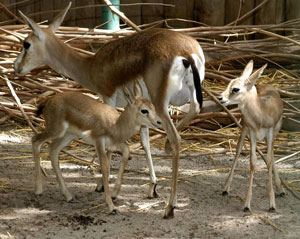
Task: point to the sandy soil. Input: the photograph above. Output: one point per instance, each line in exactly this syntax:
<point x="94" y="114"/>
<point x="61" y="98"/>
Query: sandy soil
<point x="202" y="211"/>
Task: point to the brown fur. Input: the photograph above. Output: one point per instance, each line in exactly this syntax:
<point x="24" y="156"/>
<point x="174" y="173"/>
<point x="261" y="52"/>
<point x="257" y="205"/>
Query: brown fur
<point x="137" y="54"/>
<point x="268" y="98"/>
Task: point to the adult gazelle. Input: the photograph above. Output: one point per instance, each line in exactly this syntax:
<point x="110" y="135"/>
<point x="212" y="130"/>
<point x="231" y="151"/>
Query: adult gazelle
<point x="169" y="66"/>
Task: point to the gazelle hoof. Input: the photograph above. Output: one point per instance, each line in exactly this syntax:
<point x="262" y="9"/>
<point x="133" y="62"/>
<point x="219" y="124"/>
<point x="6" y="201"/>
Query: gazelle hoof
<point x="99" y="190"/>
<point x="38" y="194"/>
<point x="281" y="194"/>
<point x="114" y="212"/>
<point x="169" y="212"/>
<point x="272" y="209"/>
<point x="38" y="191"/>
<point x="71" y="201"/>
<point x="247" y="209"/>
<point x="224" y="193"/>
<point x="152" y="192"/>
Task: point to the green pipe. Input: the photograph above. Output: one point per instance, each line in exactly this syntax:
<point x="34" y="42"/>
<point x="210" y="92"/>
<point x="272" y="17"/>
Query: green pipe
<point x="108" y="16"/>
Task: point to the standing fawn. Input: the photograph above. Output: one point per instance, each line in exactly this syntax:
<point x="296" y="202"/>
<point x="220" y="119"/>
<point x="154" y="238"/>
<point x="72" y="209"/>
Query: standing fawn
<point x="261" y="109"/>
<point x="70" y="115"/>
<point x="156" y="58"/>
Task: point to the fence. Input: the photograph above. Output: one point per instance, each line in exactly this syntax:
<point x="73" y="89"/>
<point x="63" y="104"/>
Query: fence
<point x="87" y="13"/>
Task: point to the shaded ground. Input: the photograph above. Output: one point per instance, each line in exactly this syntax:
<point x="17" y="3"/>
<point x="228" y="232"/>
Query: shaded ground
<point x="202" y="211"/>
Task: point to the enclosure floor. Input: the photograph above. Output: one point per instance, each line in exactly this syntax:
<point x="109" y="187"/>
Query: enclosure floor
<point x="202" y="211"/>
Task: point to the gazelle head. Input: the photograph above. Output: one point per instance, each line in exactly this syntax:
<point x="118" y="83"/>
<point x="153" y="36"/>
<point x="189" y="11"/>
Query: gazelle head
<point x="242" y="86"/>
<point x="141" y="107"/>
<point x="33" y="52"/>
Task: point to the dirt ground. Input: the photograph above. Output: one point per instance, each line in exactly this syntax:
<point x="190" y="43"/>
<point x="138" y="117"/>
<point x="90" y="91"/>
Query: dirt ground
<point x="202" y="211"/>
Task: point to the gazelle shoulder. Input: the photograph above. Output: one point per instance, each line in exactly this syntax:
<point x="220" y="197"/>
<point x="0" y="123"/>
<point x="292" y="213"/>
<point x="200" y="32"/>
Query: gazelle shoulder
<point x="267" y="92"/>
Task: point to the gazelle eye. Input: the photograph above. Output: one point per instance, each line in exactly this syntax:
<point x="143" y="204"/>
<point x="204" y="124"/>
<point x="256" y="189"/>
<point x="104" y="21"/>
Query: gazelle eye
<point x="144" y="112"/>
<point x="235" y="90"/>
<point x="26" y="45"/>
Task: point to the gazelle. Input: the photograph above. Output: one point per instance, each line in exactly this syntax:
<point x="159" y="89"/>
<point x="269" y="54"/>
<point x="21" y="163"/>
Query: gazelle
<point x="261" y="108"/>
<point x="169" y="66"/>
<point x="70" y="115"/>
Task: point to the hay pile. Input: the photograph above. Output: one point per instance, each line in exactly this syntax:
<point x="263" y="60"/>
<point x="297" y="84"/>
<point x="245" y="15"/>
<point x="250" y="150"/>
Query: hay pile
<point x="227" y="51"/>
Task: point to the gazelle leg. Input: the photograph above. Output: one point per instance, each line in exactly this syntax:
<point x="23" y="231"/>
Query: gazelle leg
<point x="144" y="132"/>
<point x="252" y="171"/>
<point x="55" y="147"/>
<point x="100" y="147"/>
<point x="37" y="142"/>
<point x="100" y="184"/>
<point x="125" y="157"/>
<point x="174" y="139"/>
<point x="270" y="159"/>
<point x="193" y="110"/>
<point x="278" y="183"/>
<point x="277" y="180"/>
<point x="57" y="130"/>
<point x="237" y="154"/>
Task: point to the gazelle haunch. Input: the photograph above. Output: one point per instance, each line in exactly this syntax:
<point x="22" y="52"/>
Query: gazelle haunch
<point x="169" y="66"/>
<point x="71" y="115"/>
<point x="261" y="109"/>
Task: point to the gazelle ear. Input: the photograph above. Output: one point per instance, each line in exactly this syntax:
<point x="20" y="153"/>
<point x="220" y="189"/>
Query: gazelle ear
<point x="137" y="89"/>
<point x="59" y="18"/>
<point x="252" y="79"/>
<point x="36" y="30"/>
<point x="128" y="95"/>
<point x="247" y="71"/>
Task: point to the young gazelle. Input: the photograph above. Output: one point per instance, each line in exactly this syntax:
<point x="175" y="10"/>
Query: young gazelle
<point x="155" y="57"/>
<point x="71" y="115"/>
<point x="261" y="109"/>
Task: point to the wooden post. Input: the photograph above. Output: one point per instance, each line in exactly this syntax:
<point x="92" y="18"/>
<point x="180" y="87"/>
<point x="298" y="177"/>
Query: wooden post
<point x="85" y="16"/>
<point x="184" y="9"/>
<point x="70" y="19"/>
<point x="152" y="13"/>
<point x="271" y="13"/>
<point x="292" y="12"/>
<point x="133" y="12"/>
<point x="210" y="12"/>
<point x="47" y="5"/>
<point x="235" y="9"/>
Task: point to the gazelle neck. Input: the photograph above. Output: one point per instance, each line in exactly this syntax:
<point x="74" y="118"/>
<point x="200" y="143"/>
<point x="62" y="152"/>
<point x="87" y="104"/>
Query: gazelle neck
<point x="252" y="109"/>
<point x="66" y="61"/>
<point x="250" y="100"/>
<point x="125" y="126"/>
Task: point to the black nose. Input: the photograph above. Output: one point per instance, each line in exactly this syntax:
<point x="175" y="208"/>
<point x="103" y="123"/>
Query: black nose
<point x="158" y="122"/>
<point x="221" y="100"/>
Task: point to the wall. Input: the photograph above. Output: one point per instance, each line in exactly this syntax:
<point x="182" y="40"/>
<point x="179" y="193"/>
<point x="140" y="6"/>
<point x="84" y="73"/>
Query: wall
<point x="210" y="12"/>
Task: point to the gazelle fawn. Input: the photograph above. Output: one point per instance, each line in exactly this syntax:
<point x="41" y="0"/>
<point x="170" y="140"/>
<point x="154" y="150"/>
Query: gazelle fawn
<point x="70" y="115"/>
<point x="169" y="66"/>
<point x="261" y="108"/>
